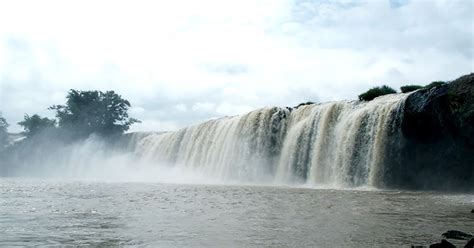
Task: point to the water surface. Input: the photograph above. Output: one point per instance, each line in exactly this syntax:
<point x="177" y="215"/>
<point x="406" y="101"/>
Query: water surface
<point x="40" y="213"/>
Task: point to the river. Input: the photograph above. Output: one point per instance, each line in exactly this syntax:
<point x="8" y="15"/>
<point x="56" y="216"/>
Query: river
<point x="36" y="212"/>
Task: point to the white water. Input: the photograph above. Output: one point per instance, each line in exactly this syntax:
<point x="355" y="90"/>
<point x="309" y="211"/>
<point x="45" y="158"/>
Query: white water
<point x="336" y="144"/>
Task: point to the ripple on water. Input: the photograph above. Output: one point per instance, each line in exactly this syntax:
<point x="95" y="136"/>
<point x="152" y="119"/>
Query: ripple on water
<point x="130" y="214"/>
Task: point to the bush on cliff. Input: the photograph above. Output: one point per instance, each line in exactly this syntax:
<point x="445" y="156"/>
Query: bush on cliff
<point x="410" y="88"/>
<point x="376" y="92"/>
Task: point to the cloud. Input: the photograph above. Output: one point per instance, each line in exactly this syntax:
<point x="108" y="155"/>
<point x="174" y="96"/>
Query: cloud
<point x="182" y="62"/>
<point x="231" y="69"/>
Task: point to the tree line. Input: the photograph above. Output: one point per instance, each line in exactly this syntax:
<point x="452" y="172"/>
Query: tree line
<point x="385" y="90"/>
<point x="85" y="112"/>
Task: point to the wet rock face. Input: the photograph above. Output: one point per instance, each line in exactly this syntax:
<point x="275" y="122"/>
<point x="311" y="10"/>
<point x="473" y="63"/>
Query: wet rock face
<point x="437" y="139"/>
<point x="448" y="110"/>
<point x="425" y="115"/>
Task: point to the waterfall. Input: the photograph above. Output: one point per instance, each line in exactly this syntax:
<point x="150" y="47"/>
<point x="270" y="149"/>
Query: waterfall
<point x="242" y="147"/>
<point x="340" y="144"/>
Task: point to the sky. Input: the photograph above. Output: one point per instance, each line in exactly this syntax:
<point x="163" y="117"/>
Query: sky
<point x="183" y="62"/>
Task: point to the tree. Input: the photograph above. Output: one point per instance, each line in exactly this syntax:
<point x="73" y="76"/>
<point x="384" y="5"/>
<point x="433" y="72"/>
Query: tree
<point x="410" y="88"/>
<point x="375" y="92"/>
<point x="3" y="132"/>
<point x="35" y="124"/>
<point x="87" y="112"/>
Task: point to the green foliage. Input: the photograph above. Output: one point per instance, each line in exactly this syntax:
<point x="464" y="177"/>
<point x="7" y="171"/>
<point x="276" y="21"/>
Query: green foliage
<point x="35" y="124"/>
<point x="434" y="84"/>
<point x="87" y="112"/>
<point x="375" y="92"/>
<point x="3" y="132"/>
<point x="410" y="88"/>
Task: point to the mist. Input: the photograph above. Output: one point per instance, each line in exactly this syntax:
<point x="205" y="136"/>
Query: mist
<point x="91" y="159"/>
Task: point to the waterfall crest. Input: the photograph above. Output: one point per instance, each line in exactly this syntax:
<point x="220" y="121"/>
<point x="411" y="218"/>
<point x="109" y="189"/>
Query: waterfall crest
<point x="340" y="144"/>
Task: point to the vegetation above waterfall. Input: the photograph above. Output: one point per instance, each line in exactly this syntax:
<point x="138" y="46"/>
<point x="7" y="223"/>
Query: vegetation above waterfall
<point x="376" y="92"/>
<point x="385" y="90"/>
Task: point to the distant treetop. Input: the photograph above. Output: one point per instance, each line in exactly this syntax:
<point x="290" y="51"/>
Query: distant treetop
<point x="34" y="124"/>
<point x="87" y="112"/>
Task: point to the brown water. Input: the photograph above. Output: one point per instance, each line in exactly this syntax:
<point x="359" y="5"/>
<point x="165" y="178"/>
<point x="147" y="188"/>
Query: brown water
<point x="60" y="213"/>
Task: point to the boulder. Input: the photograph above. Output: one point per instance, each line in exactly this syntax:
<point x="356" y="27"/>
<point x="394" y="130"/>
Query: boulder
<point x="443" y="244"/>
<point x="454" y="234"/>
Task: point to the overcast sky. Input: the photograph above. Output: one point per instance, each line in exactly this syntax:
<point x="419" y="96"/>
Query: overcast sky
<point x="182" y="62"/>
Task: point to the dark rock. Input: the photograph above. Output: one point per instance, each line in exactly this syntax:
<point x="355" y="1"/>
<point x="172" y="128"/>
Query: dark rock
<point x="443" y="244"/>
<point x="410" y="88"/>
<point x="472" y="211"/>
<point x="435" y="149"/>
<point x="303" y="104"/>
<point x="453" y="234"/>
<point x="470" y="244"/>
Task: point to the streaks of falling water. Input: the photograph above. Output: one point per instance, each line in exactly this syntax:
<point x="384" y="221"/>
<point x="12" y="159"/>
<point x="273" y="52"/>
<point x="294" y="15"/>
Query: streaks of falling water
<point x="341" y="144"/>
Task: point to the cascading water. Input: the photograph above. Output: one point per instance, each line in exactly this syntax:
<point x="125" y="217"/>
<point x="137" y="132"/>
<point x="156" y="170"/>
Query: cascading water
<point x="340" y="144"/>
<point x="242" y="147"/>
